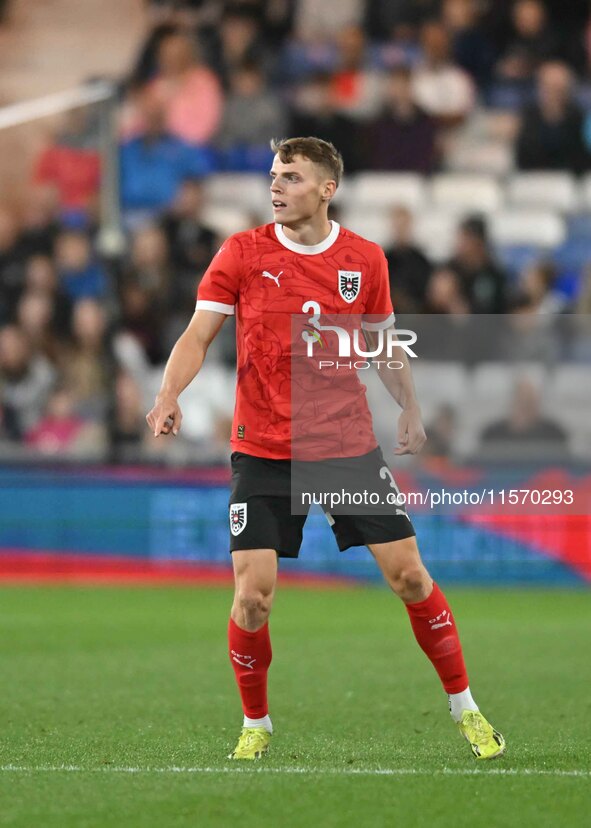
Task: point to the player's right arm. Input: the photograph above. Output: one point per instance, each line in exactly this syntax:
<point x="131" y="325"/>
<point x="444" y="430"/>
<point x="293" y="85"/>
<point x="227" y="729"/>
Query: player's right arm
<point x="183" y="365"/>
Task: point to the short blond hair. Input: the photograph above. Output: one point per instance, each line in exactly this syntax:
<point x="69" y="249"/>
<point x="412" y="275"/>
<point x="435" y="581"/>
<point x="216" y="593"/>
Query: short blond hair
<point x="316" y="150"/>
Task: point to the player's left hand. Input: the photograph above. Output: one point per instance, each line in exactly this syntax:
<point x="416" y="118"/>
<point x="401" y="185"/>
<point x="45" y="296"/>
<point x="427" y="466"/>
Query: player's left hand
<point x="411" y="434"/>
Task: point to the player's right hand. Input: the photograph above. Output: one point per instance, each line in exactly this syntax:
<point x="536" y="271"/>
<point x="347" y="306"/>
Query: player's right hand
<point x="165" y="417"/>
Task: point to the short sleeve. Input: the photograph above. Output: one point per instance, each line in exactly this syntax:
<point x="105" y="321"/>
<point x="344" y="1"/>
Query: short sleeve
<point x="218" y="289"/>
<point x="379" y="312"/>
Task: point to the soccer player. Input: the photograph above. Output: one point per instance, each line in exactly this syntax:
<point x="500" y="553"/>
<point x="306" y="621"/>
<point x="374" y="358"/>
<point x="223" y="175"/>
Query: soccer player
<point x="263" y="276"/>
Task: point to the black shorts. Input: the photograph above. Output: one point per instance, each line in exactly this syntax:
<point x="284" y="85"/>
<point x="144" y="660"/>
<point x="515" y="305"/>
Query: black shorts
<point x="261" y="505"/>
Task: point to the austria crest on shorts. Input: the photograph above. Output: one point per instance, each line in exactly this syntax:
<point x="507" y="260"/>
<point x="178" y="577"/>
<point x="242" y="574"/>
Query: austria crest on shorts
<point x="349" y="283"/>
<point x="237" y="518"/>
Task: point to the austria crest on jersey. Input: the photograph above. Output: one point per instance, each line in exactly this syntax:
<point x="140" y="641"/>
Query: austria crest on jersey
<point x="237" y="517"/>
<point x="349" y="283"/>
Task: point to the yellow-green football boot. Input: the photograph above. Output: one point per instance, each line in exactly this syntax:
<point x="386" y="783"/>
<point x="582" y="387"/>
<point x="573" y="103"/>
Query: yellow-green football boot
<point x="253" y="743"/>
<point x="485" y="741"/>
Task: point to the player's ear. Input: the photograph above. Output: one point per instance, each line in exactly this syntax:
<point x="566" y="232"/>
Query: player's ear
<point x="328" y="190"/>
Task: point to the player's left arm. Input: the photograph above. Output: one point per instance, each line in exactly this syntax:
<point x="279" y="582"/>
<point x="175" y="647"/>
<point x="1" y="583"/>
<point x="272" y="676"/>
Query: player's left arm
<point x="399" y="383"/>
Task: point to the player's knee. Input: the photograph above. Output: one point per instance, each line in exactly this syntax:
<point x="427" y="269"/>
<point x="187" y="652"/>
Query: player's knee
<point x="411" y="582"/>
<point x="254" y="605"/>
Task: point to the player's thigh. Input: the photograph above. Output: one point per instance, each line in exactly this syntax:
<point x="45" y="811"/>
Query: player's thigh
<point x="255" y="571"/>
<point x="400" y="561"/>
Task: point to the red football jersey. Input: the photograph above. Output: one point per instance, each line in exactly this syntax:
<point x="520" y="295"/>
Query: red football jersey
<point x="266" y="280"/>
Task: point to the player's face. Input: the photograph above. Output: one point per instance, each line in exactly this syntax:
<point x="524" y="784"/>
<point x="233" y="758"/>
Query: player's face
<point x="298" y="190"/>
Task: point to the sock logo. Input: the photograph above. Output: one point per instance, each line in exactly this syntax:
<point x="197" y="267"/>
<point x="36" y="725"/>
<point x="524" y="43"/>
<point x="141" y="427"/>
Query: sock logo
<point x="243" y="660"/>
<point x="436" y="623"/>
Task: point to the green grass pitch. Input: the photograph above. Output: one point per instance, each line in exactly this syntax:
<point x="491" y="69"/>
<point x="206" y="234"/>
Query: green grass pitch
<point x="119" y="707"/>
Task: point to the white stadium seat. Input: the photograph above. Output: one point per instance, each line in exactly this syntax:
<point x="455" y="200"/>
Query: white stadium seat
<point x="438" y="384"/>
<point x="387" y="190"/>
<point x="538" y="228"/>
<point x="554" y="190"/>
<point x="374" y="225"/>
<point x="435" y="231"/>
<point x="226" y="220"/>
<point x="491" y="157"/>
<point x="248" y="191"/>
<point x="466" y="192"/>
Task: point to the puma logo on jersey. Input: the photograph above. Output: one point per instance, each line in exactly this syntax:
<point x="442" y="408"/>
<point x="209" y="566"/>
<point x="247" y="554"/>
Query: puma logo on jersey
<point x="267" y="275"/>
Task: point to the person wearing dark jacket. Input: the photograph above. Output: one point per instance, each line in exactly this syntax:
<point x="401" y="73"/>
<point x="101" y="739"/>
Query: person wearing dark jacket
<point x="403" y="137"/>
<point x="551" y="133"/>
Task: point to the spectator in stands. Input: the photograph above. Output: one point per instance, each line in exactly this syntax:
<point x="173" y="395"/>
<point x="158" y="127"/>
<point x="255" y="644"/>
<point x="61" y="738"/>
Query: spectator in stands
<point x="445" y="293"/>
<point x="525" y="428"/>
<point x="536" y="294"/>
<point x="35" y="314"/>
<point x="483" y="282"/>
<point x="402" y="137"/>
<point x="86" y="362"/>
<point x="189" y="91"/>
<point x="191" y="242"/>
<point x="239" y="41"/>
<point x="551" y="136"/>
<point x="40" y="222"/>
<point x="80" y="275"/>
<point x="141" y="317"/>
<point x="472" y="48"/>
<point x="155" y="162"/>
<point x="26" y="380"/>
<point x="71" y="162"/>
<point x="441" y="88"/>
<point x="315" y="21"/>
<point x="64" y="433"/>
<point x="531" y="42"/>
<point x="127" y="429"/>
<point x="150" y="266"/>
<point x="12" y="258"/>
<point x="408" y="266"/>
<point x="444" y="334"/>
<point x="357" y="87"/>
<point x="441" y="433"/>
<point x="314" y="113"/>
<point x="252" y="115"/>
<point x="41" y="277"/>
<point x="396" y="20"/>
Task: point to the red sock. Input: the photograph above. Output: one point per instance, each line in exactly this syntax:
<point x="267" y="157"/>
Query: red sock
<point x="250" y="655"/>
<point x="435" y="630"/>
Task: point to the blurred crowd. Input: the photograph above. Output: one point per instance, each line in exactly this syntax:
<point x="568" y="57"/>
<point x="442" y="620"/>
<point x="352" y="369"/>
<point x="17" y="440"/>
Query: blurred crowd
<point x="390" y="82"/>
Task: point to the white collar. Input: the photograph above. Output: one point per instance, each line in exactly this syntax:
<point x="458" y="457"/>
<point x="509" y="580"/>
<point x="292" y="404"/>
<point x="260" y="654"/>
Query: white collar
<point x="308" y="249"/>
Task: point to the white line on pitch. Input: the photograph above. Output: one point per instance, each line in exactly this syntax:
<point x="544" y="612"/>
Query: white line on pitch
<point x="582" y="774"/>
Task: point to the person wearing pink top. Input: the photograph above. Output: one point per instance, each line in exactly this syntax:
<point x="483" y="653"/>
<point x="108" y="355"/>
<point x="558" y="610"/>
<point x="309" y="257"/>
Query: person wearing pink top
<point x="190" y="92"/>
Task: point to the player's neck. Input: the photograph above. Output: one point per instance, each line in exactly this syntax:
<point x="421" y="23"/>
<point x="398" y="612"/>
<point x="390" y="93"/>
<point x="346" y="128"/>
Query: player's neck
<point x="311" y="232"/>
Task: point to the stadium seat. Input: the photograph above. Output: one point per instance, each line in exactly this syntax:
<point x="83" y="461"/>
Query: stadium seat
<point x="539" y="228"/>
<point x="438" y="384"/>
<point x="373" y="224"/>
<point x="435" y="231"/>
<point x="383" y="190"/>
<point x="466" y="192"/>
<point x="248" y="191"/>
<point x="227" y="220"/>
<point x="490" y="157"/>
<point x="553" y="190"/>
<point x="569" y="404"/>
